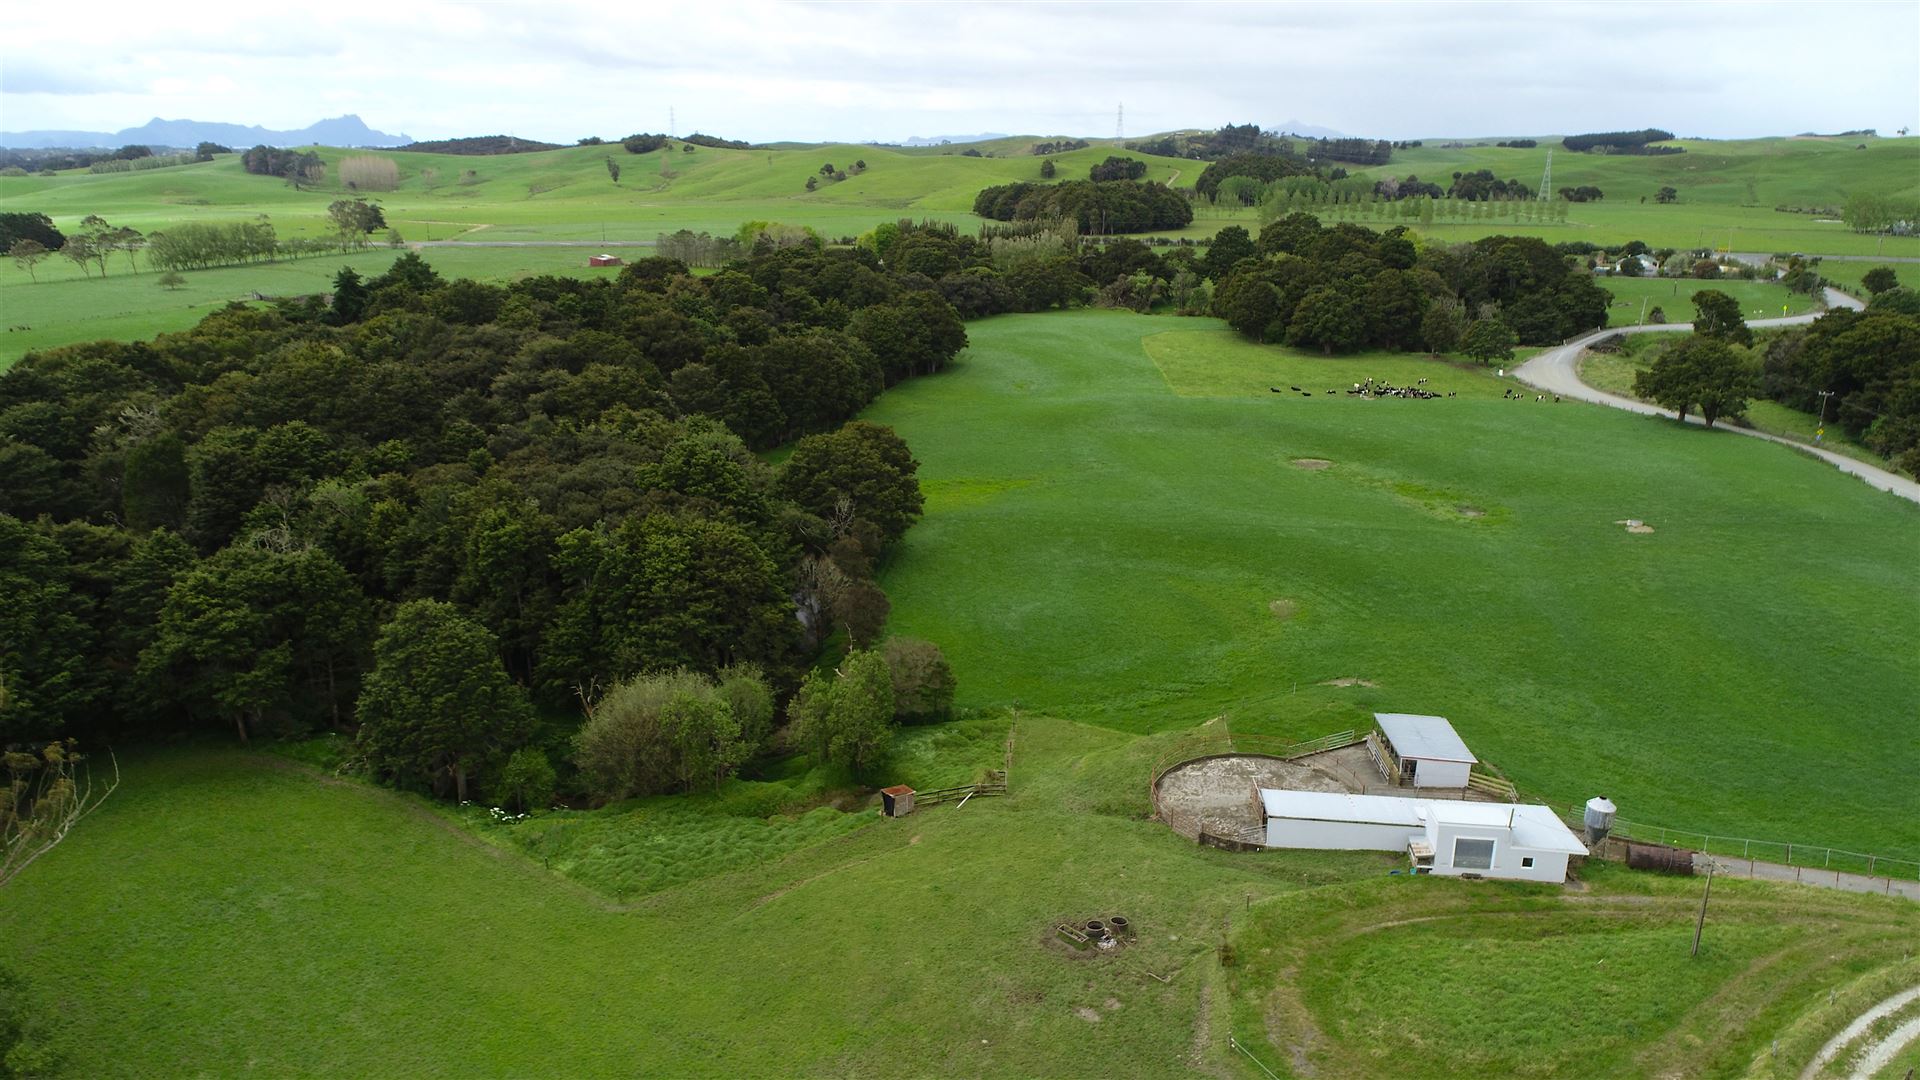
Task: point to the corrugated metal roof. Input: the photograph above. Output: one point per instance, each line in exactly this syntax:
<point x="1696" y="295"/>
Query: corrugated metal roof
<point x="1338" y="806"/>
<point x="1423" y="738"/>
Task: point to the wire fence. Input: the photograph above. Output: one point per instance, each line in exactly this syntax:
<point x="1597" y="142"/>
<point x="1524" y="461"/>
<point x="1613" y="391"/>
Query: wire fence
<point x="1811" y="856"/>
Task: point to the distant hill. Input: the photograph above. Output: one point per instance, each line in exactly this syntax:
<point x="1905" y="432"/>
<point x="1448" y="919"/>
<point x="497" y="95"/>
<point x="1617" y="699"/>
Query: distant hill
<point x="480" y="145"/>
<point x="939" y="140"/>
<point x="348" y="130"/>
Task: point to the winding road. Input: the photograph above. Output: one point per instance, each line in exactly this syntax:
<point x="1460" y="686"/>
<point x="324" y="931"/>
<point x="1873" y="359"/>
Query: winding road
<point x="1556" y="371"/>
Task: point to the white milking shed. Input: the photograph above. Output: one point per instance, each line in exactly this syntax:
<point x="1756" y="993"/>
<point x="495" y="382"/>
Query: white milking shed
<point x="1439" y="836"/>
<point x="1426" y="750"/>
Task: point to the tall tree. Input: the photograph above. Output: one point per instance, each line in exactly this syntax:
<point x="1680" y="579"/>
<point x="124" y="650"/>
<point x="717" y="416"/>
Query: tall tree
<point x="438" y="704"/>
<point x="1717" y="316"/>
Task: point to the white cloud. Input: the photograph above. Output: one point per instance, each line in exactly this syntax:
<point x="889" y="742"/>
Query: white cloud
<point x="762" y="70"/>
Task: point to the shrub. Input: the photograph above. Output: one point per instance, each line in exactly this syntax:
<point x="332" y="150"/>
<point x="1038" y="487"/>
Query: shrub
<point x="527" y="781"/>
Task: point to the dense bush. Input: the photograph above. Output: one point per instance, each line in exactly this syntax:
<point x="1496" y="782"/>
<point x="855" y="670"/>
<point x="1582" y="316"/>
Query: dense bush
<point x="1621" y="142"/>
<point x="1113" y="206"/>
<point x="206" y="529"/>
<point x="1343" y="288"/>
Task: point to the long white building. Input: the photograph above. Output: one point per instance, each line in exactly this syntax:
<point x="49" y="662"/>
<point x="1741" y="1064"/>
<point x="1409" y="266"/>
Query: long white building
<point x="1439" y="836"/>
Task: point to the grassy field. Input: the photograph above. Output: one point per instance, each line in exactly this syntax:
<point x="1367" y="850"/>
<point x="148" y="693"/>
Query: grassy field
<point x="234" y="912"/>
<point x="1517" y="981"/>
<point x="1113" y="504"/>
<point x="1674" y="296"/>
<point x="1113" y="507"/>
<point x="1728" y="194"/>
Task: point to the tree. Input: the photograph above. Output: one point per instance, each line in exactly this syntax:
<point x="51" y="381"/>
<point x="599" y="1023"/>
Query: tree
<point x="1443" y="325"/>
<point x="923" y="684"/>
<point x="864" y="464"/>
<point x="812" y="182"/>
<point x="350" y="297"/>
<point x="23" y="225"/>
<point x="81" y="250"/>
<point x="171" y="281"/>
<point x="438" y="703"/>
<point x="1048" y="169"/>
<point x="848" y="721"/>
<point x="1717" y="315"/>
<point x="354" y="220"/>
<point x="1327" y="318"/>
<point x="613" y="169"/>
<point x="1700" y="372"/>
<point x="1489" y="340"/>
<point x="1877" y="280"/>
<point x="27" y="254"/>
<point x="1666" y="195"/>
<point x="1229" y="246"/>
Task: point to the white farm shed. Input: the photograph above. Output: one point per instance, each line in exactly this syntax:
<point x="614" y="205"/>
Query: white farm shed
<point x="1440" y="836"/>
<point x="1428" y="750"/>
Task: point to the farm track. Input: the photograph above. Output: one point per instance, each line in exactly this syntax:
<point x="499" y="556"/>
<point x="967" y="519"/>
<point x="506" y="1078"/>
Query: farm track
<point x="1882" y="1050"/>
<point x="1555" y="371"/>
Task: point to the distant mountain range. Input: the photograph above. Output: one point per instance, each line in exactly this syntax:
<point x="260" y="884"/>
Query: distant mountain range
<point x="348" y="130"/>
<point x="956" y="140"/>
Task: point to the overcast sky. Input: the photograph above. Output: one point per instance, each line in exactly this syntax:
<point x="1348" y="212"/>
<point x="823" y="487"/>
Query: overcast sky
<point x="883" y="72"/>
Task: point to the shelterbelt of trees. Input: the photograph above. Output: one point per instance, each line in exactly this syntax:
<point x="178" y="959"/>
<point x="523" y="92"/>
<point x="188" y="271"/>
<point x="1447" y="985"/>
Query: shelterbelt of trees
<point x="500" y="497"/>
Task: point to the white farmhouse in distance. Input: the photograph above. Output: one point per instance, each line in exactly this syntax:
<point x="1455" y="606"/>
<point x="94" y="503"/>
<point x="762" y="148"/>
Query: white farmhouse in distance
<point x="1440" y="836"/>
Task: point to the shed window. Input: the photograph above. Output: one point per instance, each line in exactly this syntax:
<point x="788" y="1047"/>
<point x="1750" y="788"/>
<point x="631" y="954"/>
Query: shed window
<point x="1526" y="863"/>
<point x="1472" y="854"/>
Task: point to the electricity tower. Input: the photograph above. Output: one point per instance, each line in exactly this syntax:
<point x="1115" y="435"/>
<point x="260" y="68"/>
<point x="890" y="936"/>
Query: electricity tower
<point x="1120" y="122"/>
<point x="1546" y="178"/>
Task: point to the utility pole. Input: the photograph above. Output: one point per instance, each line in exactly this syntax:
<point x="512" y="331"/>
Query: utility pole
<point x="1702" y="924"/>
<point x="1643" y="311"/>
<point x="1821" y="431"/>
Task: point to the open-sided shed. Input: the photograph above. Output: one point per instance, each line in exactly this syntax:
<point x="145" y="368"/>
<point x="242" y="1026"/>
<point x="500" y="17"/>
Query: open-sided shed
<point x="1429" y="752"/>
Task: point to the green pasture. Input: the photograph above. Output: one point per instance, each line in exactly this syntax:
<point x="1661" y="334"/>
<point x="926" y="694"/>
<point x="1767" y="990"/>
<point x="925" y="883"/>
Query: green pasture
<point x="231" y="912"/>
<point x="1674" y="296"/>
<point x="63" y="307"/>
<point x="1110" y="523"/>
<point x="1519" y="981"/>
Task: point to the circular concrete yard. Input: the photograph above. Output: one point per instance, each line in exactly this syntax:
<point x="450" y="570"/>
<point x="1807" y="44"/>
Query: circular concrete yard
<point x="1218" y="793"/>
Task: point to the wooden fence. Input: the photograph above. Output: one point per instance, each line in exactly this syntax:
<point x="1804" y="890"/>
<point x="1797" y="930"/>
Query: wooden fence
<point x="958" y="794"/>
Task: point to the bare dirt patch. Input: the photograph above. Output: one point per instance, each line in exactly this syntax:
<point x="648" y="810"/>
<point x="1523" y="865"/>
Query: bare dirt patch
<point x="1282" y="609"/>
<point x="1220" y="791"/>
<point x="1089" y="1015"/>
<point x="1311" y="464"/>
<point x="1635" y="526"/>
<point x="1466" y="511"/>
<point x="1350" y="681"/>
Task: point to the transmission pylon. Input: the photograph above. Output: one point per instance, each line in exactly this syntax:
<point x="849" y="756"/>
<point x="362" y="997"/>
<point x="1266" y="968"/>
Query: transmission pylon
<point x="1120" y="122"/>
<point x="1546" y="179"/>
<point x="673" y="126"/>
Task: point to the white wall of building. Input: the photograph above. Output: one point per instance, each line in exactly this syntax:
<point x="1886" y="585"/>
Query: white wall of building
<point x="1338" y="835"/>
<point x="1446" y="774"/>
